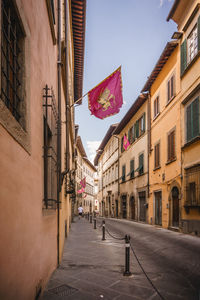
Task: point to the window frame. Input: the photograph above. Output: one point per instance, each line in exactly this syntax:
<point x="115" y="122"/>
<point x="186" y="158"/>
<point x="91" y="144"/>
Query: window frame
<point x="132" y="169"/>
<point x="156" y="108"/>
<point x="124" y="173"/>
<point x="157" y="158"/>
<point x="171" y="149"/>
<point x="171" y="92"/>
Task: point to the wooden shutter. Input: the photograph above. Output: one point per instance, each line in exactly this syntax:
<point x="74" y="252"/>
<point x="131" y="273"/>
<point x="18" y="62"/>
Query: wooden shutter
<point x="122" y="142"/>
<point x="155" y="108"/>
<point x="144" y="119"/>
<point x="133" y="132"/>
<point x="129" y="135"/>
<point x="169" y="147"/>
<point x="189" y="125"/>
<point x="132" y="168"/>
<point x="173" y="145"/>
<point x="168" y="91"/>
<point x="172" y="87"/>
<point x="198" y="32"/>
<point x="137" y="129"/>
<point x="183" y="56"/>
<point x="195" y="117"/>
<point x="141" y="163"/>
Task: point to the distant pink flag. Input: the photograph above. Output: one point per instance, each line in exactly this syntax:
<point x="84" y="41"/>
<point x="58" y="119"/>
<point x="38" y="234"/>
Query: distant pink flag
<point x="126" y="143"/>
<point x="81" y="191"/>
<point x="83" y="182"/>
<point x="106" y="98"/>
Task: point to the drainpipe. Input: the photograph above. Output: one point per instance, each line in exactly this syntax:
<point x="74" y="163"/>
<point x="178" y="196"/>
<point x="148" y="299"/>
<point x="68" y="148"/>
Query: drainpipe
<point x="59" y="132"/>
<point x="67" y="111"/>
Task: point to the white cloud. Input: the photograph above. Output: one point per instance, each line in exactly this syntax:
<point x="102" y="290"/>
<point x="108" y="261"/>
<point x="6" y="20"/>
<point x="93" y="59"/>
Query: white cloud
<point x="162" y="2"/>
<point x="92" y="147"/>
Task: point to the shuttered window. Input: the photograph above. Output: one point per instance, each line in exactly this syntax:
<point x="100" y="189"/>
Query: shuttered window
<point x="141" y="164"/>
<point x="123" y="173"/>
<point x="122" y="143"/>
<point x="192" y="115"/>
<point x="157" y="156"/>
<point x="170" y="88"/>
<point x="171" y="146"/>
<point x="156" y="107"/>
<point x="132" y="169"/>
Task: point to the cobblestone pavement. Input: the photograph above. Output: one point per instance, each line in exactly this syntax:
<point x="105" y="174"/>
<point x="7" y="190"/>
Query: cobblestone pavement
<point x="93" y="269"/>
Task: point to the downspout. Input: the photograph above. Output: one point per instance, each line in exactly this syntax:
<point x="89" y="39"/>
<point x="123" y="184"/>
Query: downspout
<point x="67" y="106"/>
<point x="59" y="132"/>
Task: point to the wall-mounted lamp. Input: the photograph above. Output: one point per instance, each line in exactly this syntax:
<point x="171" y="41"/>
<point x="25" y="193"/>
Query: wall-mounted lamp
<point x="176" y="35"/>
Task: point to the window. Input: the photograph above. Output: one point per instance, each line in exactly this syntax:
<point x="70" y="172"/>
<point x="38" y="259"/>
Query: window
<point x="122" y="144"/>
<point x="171" y="146"/>
<point x="192" y="120"/>
<point x="51" y="13"/>
<point x="141" y="164"/>
<point x="132" y="173"/>
<point x="170" y="88"/>
<point x="157" y="156"/>
<point x="141" y="125"/>
<point x="156" y="107"/>
<point x="192" y="44"/>
<point x="123" y="173"/>
<point x="49" y="148"/>
<point x="190" y="47"/>
<point x="12" y="61"/>
<point x="192" y="186"/>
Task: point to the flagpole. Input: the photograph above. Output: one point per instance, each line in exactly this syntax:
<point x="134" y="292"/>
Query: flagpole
<point x="78" y="99"/>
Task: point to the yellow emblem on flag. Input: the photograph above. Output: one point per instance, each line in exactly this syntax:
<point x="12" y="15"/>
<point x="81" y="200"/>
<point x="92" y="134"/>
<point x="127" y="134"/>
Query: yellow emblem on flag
<point x="105" y="97"/>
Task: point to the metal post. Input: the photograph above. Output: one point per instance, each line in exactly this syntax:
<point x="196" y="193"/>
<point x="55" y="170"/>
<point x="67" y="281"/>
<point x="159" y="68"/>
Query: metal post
<point x="127" y="256"/>
<point x="103" y="230"/>
<point x="95" y="223"/>
<point x="91" y="218"/>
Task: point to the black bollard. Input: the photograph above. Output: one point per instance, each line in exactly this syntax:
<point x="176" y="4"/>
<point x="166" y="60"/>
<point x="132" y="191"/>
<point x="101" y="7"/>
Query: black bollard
<point x="103" y="230"/>
<point x="95" y="223"/>
<point x="127" y="256"/>
<point x="90" y="218"/>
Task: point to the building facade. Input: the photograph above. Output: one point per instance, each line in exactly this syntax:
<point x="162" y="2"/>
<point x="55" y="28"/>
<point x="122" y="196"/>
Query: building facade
<point x="39" y="77"/>
<point x="186" y="14"/>
<point x="133" y="162"/>
<point x="107" y="160"/>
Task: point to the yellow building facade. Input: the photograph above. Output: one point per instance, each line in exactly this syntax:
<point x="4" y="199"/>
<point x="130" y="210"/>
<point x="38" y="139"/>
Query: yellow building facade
<point x="186" y="14"/>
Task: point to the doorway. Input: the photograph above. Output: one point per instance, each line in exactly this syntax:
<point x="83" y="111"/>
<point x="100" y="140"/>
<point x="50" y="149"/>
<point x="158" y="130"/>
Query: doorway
<point x="175" y="207"/>
<point x="158" y="208"/>
<point x="142" y="202"/>
<point x="132" y="208"/>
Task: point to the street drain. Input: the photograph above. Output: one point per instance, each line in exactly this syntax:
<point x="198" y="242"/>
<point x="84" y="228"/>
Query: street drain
<point x="63" y="290"/>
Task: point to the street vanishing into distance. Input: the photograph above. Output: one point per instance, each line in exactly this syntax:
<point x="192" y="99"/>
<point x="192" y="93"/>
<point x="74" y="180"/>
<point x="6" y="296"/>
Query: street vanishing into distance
<point x="167" y="266"/>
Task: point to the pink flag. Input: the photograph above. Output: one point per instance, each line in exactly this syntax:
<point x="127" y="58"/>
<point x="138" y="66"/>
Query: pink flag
<point x="83" y="182"/>
<point x="106" y="98"/>
<point x="81" y="191"/>
<point x="126" y="143"/>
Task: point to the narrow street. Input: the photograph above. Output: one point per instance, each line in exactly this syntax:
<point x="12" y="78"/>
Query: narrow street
<point x="93" y="269"/>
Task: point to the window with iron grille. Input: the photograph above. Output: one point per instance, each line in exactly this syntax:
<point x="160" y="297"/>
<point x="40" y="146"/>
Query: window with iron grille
<point x="12" y="60"/>
<point x="192" y="120"/>
<point x="192" y="186"/>
<point x="157" y="156"/>
<point x="171" y="154"/>
<point x="50" y="147"/>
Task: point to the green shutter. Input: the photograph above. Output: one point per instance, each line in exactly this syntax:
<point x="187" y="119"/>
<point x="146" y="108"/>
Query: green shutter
<point x="144" y="122"/>
<point x="123" y="173"/>
<point x="129" y="135"/>
<point x="137" y="129"/>
<point x="195" y="117"/>
<point x="122" y="142"/>
<point x="133" y="133"/>
<point x="189" y="124"/>
<point x="198" y="32"/>
<point x="183" y="56"/>
<point x="141" y="164"/>
<point x="132" y="168"/>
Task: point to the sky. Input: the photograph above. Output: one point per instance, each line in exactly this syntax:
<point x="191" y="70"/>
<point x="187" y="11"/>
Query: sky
<point x="130" y="33"/>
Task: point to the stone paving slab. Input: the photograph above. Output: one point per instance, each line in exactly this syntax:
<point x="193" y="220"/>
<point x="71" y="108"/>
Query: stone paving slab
<point x="93" y="269"/>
